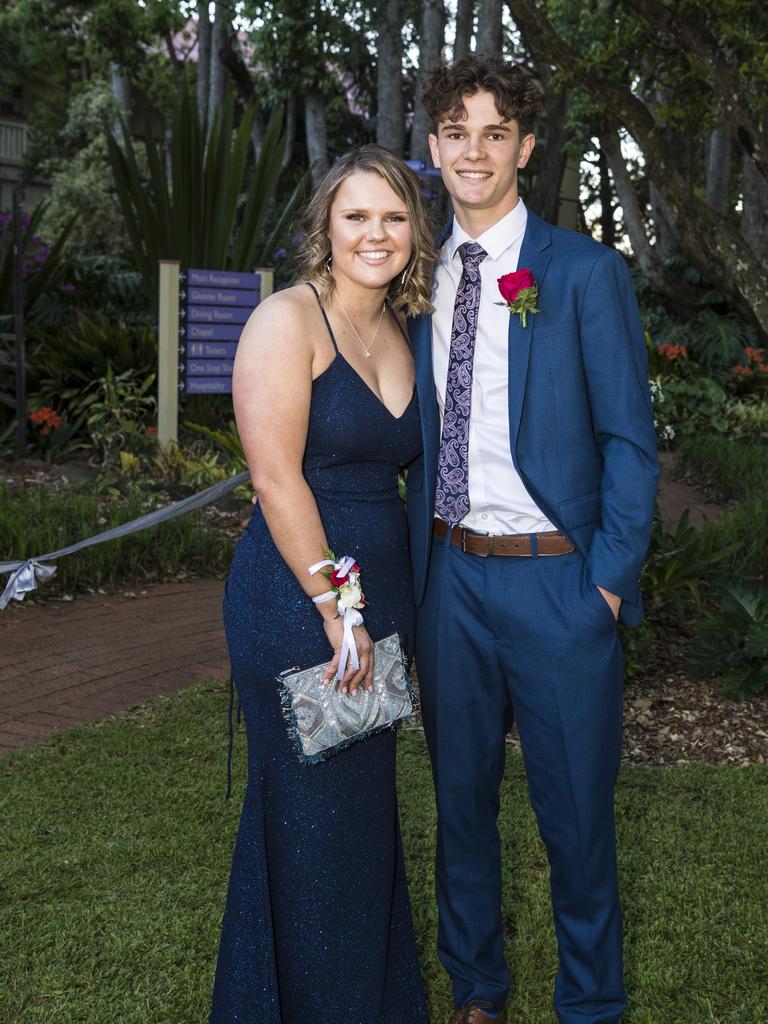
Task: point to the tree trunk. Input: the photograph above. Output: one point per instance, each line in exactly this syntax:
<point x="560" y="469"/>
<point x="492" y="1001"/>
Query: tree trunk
<point x="607" y="225"/>
<point x="231" y="58"/>
<point x="465" y="27"/>
<point x="489" y="28"/>
<point x="290" y="131"/>
<point x="430" y="52"/>
<point x="754" y="216"/>
<point x="544" y="197"/>
<point x="121" y="93"/>
<point x="710" y="240"/>
<point x="390" y="116"/>
<point x="317" y="145"/>
<point x="646" y="255"/>
<point x="218" y="74"/>
<point x="203" y="60"/>
<point x="719" y="149"/>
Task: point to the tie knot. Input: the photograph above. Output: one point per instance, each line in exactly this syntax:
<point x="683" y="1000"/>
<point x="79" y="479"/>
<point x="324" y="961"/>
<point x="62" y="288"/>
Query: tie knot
<point x="472" y="255"/>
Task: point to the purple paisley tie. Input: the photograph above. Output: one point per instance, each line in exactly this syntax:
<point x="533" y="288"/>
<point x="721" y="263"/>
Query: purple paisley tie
<point x="452" y="494"/>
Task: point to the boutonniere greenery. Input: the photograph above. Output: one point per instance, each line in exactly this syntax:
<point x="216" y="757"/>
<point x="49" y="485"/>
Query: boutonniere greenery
<point x="520" y="293"/>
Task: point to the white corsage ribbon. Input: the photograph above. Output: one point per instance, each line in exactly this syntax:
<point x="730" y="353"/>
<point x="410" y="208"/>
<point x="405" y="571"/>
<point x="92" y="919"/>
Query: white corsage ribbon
<point x="348" y="595"/>
<point x="24" y="580"/>
<point x="351" y="618"/>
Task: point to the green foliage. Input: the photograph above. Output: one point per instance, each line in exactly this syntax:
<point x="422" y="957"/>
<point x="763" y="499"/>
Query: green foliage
<point x="678" y="567"/>
<point x="228" y="439"/>
<point x="732" y="641"/>
<point x="718" y="340"/>
<point x="748" y="419"/>
<point x="58" y="442"/>
<point x="693" y="405"/>
<point x="192" y="213"/>
<point x="117" y="409"/>
<point x="639" y="644"/>
<point x="194" y="466"/>
<point x="732" y="469"/>
<point x="81" y="176"/>
<point x="36" y="520"/>
<point x="65" y="363"/>
<point x="117" y="845"/>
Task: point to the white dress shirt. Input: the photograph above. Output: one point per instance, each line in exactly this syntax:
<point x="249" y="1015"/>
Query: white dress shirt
<point x="499" y="502"/>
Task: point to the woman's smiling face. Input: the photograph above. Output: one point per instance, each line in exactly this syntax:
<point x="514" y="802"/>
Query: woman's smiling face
<point x="369" y="231"/>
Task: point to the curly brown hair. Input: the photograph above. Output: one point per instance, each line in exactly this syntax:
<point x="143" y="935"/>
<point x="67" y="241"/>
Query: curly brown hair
<point x="410" y="291"/>
<point x="517" y="98"/>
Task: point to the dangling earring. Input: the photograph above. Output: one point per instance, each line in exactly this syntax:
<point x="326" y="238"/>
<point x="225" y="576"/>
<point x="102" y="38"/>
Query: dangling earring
<point x="328" y="263"/>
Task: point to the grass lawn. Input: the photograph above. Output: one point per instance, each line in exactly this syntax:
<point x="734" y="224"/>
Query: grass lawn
<point x="115" y="848"/>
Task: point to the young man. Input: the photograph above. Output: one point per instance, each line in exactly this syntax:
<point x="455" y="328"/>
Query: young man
<point x="530" y="513"/>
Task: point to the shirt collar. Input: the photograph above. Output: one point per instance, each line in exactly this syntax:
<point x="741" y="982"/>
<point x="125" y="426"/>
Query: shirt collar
<point x="497" y="239"/>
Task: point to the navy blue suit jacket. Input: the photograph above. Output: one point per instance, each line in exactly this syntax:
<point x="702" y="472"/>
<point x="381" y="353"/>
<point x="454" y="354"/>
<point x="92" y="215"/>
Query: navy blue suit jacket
<point x="581" y="425"/>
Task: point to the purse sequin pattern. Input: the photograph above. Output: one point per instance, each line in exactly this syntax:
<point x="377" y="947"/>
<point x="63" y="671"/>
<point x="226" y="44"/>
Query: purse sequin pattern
<point x="321" y="720"/>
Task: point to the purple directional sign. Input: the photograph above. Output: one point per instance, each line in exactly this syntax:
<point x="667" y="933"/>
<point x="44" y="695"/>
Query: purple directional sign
<point x="211" y="332"/>
<point x="221" y="278"/>
<point x="207" y="386"/>
<point x="216" y="314"/>
<point x="208" y="349"/>
<point x="214" y="305"/>
<point x="220" y="296"/>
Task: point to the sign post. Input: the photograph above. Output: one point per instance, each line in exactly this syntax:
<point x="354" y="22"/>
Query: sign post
<point x="168" y="360"/>
<point x="202" y="313"/>
<point x="18" y="322"/>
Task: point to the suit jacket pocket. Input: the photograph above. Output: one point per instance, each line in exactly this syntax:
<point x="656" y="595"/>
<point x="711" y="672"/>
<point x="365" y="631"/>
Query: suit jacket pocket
<point x="580" y="511"/>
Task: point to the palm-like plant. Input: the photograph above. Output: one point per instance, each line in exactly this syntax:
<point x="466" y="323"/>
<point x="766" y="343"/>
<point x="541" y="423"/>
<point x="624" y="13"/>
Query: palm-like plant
<point x="188" y="205"/>
<point x="38" y="278"/>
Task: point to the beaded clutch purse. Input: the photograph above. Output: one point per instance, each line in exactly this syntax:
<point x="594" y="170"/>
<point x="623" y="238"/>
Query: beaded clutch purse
<point x="322" y="720"/>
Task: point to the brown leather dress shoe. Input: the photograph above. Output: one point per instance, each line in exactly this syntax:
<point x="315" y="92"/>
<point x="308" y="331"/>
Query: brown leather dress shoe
<point x="474" y="1013"/>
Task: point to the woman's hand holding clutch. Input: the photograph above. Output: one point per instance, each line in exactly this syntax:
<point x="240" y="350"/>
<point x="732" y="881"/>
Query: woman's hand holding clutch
<point x="363" y="676"/>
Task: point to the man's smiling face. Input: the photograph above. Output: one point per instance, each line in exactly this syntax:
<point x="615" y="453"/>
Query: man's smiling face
<point x="479" y="156"/>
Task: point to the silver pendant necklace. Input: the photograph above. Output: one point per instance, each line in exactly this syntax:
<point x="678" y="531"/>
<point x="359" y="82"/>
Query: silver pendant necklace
<point x="366" y="348"/>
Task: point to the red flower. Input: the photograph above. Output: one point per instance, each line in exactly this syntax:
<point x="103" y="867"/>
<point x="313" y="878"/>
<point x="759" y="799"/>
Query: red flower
<point x="743" y="371"/>
<point x="510" y="285"/>
<point x="45" y="418"/>
<point x="151" y="431"/>
<point x="672" y="352"/>
<point x="754" y="355"/>
<point x="338" y="580"/>
<point x="762" y="368"/>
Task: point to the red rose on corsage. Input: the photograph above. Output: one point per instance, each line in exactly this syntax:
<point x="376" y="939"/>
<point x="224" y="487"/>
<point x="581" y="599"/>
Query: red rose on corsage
<point x="520" y="293"/>
<point x="339" y="578"/>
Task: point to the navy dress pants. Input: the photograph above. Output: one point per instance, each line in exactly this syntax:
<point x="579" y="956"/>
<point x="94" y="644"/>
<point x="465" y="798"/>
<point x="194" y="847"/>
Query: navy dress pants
<point x="532" y="637"/>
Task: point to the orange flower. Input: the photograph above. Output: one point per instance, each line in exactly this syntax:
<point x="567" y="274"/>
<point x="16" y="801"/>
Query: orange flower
<point x="754" y="355"/>
<point x="672" y="352"/>
<point x="46" y="418"/>
<point x="743" y="371"/>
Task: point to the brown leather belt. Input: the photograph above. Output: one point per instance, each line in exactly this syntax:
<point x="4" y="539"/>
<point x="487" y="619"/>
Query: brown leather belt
<point x="522" y="545"/>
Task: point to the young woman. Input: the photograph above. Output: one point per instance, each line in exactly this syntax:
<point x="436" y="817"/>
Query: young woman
<point x="317" y="926"/>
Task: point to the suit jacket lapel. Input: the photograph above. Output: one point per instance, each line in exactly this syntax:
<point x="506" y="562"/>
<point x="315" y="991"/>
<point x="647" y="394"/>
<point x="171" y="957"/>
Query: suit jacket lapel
<point x="534" y="255"/>
<point x="420" y="332"/>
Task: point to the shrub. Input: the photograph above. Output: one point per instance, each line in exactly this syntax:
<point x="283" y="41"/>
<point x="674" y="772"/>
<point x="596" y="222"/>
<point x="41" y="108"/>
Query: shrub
<point x="732" y="641"/>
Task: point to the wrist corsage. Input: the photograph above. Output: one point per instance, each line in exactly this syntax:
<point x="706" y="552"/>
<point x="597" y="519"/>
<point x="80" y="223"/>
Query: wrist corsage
<point x="520" y="293"/>
<point x="344" y="578"/>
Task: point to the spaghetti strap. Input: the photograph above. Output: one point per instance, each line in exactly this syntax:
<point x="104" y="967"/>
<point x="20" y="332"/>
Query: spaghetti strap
<point x="325" y="317"/>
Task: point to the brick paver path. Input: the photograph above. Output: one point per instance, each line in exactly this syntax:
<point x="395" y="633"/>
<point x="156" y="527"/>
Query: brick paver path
<point x="62" y="664"/>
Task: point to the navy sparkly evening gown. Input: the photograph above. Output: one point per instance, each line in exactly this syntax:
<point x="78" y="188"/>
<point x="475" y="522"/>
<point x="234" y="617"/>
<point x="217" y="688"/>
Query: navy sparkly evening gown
<point x="317" y="927"/>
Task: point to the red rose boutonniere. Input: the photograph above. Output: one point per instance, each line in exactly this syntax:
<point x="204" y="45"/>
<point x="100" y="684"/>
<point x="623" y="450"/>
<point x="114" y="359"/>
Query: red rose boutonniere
<point x="520" y="293"/>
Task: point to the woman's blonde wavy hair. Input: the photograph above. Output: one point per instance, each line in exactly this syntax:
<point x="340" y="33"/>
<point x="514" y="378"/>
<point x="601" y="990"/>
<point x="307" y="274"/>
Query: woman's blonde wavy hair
<point x="411" y="291"/>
